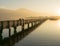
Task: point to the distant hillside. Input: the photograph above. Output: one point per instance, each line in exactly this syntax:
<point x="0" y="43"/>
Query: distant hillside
<point x="6" y="14"/>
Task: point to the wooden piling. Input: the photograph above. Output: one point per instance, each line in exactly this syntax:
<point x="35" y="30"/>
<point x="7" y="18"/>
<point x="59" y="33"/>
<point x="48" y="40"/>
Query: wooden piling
<point x="28" y="24"/>
<point x="14" y="26"/>
<point x="9" y="28"/>
<point x="32" y="24"/>
<point x="22" y="22"/>
<point x="1" y="28"/>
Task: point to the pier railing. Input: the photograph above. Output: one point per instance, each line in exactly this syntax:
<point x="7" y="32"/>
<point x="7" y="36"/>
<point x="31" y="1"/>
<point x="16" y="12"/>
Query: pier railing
<point x="21" y="22"/>
<point x="15" y="23"/>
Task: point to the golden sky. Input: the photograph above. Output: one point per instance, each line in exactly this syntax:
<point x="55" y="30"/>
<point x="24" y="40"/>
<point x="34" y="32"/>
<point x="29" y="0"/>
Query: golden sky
<point x="49" y="6"/>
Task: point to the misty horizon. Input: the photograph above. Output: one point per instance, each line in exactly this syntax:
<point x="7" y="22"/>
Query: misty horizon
<point x="15" y="9"/>
<point x="7" y="14"/>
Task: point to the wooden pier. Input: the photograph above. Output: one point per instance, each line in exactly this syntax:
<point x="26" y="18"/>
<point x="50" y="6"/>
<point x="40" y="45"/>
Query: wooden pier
<point x="21" y="22"/>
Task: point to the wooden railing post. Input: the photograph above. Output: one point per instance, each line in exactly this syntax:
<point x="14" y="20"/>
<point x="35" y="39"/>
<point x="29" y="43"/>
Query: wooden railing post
<point x="17" y="22"/>
<point x="1" y="29"/>
<point x="15" y="30"/>
<point x="14" y="27"/>
<point x="32" y="24"/>
<point x="35" y="22"/>
<point x="28" y="24"/>
<point x="22" y="22"/>
<point x="9" y="28"/>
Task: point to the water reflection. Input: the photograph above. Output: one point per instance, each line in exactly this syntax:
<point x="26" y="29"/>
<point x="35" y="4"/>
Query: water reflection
<point x="58" y="23"/>
<point x="48" y="34"/>
<point x="5" y="40"/>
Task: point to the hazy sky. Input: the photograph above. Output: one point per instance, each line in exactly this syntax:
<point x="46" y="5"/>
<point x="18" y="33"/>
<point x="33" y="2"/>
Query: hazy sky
<point x="35" y="5"/>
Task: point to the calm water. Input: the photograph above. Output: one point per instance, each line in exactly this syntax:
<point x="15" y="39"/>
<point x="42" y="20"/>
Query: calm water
<point x="47" y="34"/>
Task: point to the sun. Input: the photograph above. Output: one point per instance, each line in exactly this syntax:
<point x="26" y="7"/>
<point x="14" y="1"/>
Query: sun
<point x="58" y="12"/>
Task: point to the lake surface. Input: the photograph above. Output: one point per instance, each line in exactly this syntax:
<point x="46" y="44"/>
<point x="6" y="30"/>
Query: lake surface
<point x="47" y="34"/>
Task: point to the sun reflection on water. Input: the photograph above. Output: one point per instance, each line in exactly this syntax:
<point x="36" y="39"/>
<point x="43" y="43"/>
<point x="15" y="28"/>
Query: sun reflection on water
<point x="58" y="23"/>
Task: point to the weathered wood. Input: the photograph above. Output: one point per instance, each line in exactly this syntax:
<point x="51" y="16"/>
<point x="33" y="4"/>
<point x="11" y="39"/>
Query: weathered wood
<point x="11" y="23"/>
<point x="22" y="24"/>
<point x="1" y="25"/>
<point x="28" y="25"/>
<point x="20" y="21"/>
<point x="15" y="23"/>
<point x="5" y="24"/>
<point x="32" y="24"/>
<point x="15" y="26"/>
<point x="9" y="28"/>
<point x="1" y="28"/>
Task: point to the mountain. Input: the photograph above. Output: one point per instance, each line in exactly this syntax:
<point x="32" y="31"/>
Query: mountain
<point x="6" y="14"/>
<point x="26" y="12"/>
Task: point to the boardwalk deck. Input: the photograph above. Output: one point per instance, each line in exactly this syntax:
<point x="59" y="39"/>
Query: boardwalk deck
<point x="14" y="24"/>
